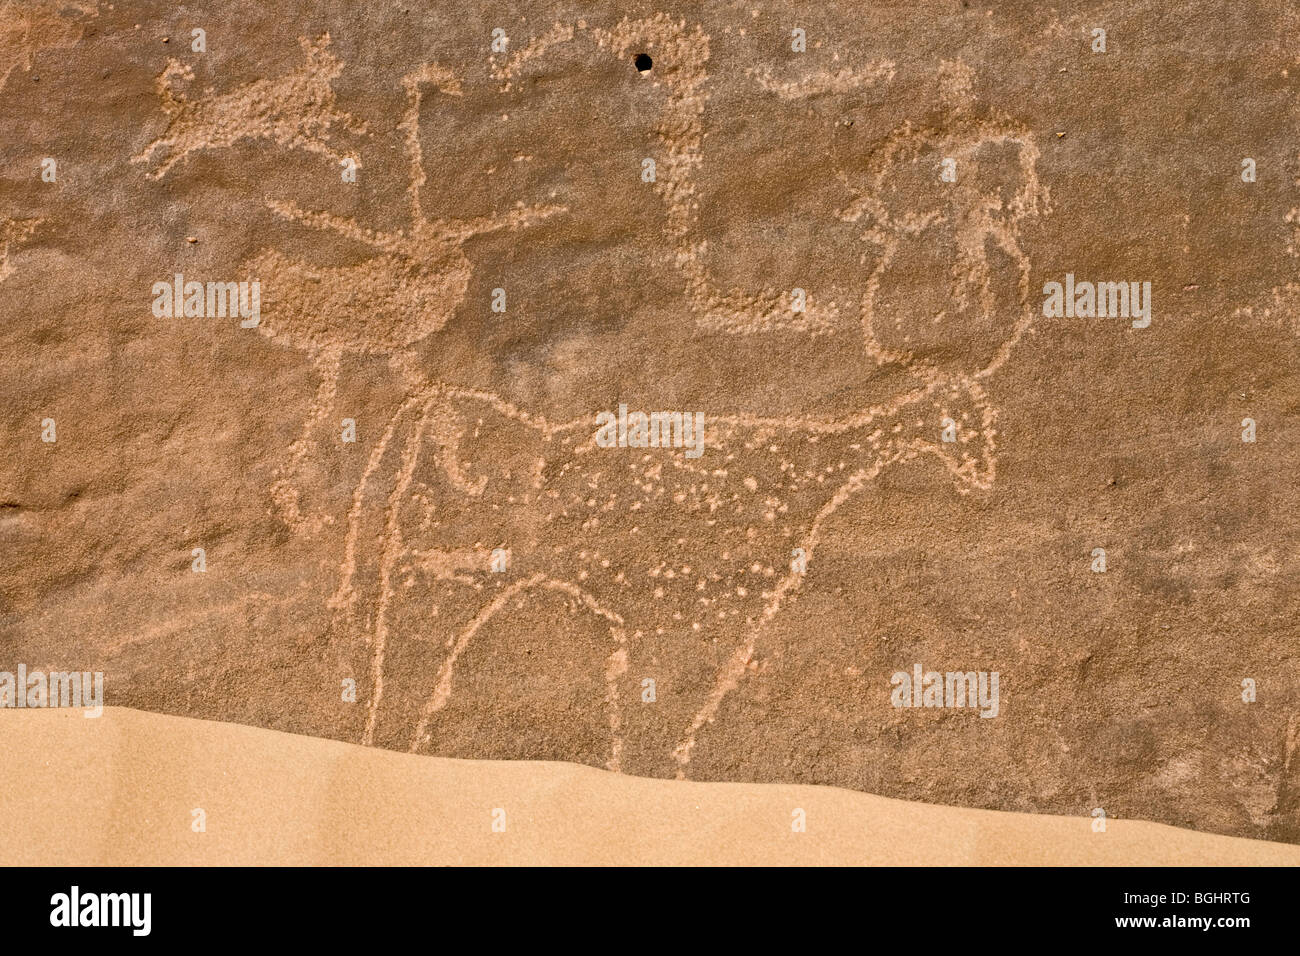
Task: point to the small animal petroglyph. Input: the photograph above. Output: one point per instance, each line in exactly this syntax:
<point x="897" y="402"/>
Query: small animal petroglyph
<point x="295" y="111"/>
<point x="967" y="232"/>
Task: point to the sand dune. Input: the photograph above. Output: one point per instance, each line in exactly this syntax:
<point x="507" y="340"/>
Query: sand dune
<point x="122" y="789"/>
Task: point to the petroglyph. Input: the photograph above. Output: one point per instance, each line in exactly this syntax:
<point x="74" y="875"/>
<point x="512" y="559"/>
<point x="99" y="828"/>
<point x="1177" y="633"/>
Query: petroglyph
<point x="575" y="520"/>
<point x="615" y="668"/>
<point x="768" y="485"/>
<point x="384" y="304"/>
<point x="29" y="26"/>
<point x="504" y="68"/>
<point x="962" y="231"/>
<point x="895" y="437"/>
<point x="572" y="517"/>
<point x="683" y="54"/>
<point x="680" y="54"/>
<point x="834" y="82"/>
<point x="296" y="111"/>
<point x="398" y="486"/>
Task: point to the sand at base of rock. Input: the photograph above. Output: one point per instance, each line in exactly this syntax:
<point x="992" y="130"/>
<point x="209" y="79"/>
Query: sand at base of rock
<point x="123" y="790"/>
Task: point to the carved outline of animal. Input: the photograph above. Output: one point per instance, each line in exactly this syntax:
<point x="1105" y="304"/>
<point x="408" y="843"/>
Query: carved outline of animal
<point x="432" y="406"/>
<point x="295" y="111"/>
<point x="886" y="434"/>
<point x="973" y="229"/>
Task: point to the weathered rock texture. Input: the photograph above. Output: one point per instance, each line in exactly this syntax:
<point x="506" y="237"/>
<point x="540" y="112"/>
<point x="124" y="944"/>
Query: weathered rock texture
<point x="523" y="170"/>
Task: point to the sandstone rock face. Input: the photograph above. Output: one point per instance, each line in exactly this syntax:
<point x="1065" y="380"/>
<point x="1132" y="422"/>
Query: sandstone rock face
<point x="328" y="330"/>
